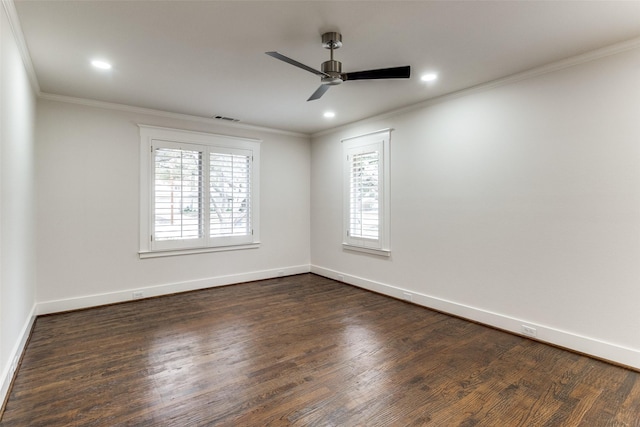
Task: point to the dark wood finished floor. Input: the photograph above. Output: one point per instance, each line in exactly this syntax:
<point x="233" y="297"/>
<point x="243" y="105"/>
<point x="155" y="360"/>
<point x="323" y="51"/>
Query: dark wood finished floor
<point x="304" y="351"/>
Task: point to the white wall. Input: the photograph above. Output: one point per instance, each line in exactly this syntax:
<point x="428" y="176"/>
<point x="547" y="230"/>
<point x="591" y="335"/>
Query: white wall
<point x="17" y="249"/>
<point x="87" y="177"/>
<point x="513" y="205"/>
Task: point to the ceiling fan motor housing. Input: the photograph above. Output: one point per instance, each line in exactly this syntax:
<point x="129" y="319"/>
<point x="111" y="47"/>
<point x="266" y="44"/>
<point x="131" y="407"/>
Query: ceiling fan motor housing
<point x="334" y="70"/>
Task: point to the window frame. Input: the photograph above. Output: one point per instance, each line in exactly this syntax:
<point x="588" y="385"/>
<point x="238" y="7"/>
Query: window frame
<point x="375" y="141"/>
<point x="161" y="137"/>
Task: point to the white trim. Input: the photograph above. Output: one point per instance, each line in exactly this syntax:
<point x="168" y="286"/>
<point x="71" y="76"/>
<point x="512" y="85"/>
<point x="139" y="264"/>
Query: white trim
<point x="587" y="345"/>
<point x="378" y="142"/>
<point x="158" y="254"/>
<point x="197" y="137"/>
<point x="8" y="370"/>
<point x="371" y="251"/>
<point x="18" y="35"/>
<point x="592" y="346"/>
<point x="528" y="74"/>
<point x="76" y="303"/>
<point x="166" y="114"/>
<point x="513" y="78"/>
<point x="387" y="130"/>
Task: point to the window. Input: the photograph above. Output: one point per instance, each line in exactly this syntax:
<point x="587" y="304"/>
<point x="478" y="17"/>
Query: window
<point x="199" y="192"/>
<point x="366" y="193"/>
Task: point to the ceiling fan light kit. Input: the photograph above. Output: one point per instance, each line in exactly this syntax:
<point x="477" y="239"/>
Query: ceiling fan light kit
<point x="332" y="74"/>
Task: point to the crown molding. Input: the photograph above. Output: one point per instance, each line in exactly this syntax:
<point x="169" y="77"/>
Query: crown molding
<point x="14" y="23"/>
<point x="16" y="29"/>
<point x="167" y="114"/>
<point x="525" y="75"/>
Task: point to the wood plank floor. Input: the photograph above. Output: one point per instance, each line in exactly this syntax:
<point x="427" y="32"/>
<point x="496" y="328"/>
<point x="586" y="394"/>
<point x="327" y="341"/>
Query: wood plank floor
<point x="303" y="351"/>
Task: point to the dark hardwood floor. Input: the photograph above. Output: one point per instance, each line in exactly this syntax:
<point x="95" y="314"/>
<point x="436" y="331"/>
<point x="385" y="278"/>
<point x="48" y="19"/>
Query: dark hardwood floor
<point x="304" y="351"/>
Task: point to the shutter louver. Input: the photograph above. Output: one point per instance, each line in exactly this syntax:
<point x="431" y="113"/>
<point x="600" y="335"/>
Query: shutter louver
<point x="177" y="187"/>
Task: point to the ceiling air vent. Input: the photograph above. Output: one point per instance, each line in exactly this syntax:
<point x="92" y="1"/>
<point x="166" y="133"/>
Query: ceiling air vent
<point x="229" y="119"/>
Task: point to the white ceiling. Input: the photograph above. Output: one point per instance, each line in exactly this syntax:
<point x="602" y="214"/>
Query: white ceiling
<point x="206" y="58"/>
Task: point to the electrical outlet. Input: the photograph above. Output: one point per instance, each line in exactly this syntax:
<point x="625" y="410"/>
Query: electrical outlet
<point x="137" y="294"/>
<point x="340" y="278"/>
<point x="529" y="331"/>
<point x="407" y="296"/>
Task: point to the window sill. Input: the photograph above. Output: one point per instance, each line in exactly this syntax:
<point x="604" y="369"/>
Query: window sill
<point x="371" y="251"/>
<point x="176" y="252"/>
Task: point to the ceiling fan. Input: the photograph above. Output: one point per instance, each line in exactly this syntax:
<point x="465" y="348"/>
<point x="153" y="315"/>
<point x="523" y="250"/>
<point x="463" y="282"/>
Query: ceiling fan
<point x="332" y="74"/>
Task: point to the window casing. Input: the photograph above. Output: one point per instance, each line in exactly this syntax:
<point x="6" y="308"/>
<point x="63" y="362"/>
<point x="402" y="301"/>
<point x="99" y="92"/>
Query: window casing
<point x="199" y="192"/>
<point x="366" y="193"/>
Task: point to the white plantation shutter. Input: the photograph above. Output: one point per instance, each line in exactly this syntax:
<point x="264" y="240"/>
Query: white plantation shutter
<point x="364" y="212"/>
<point x="199" y="195"/>
<point x="366" y="188"/>
<point x="230" y="193"/>
<point x="177" y="208"/>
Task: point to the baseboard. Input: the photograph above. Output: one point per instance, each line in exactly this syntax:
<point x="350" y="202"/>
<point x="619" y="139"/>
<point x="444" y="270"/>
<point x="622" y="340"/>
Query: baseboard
<point x="17" y="351"/>
<point x="56" y="306"/>
<point x="589" y="346"/>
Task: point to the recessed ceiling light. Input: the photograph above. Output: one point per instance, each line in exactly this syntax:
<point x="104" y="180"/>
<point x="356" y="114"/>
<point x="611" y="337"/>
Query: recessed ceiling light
<point x="429" y="77"/>
<point x="329" y="114"/>
<point x="101" y="64"/>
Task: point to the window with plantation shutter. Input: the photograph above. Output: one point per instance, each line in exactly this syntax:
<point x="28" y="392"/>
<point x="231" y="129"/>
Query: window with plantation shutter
<point x="366" y="188"/>
<point x="199" y="192"/>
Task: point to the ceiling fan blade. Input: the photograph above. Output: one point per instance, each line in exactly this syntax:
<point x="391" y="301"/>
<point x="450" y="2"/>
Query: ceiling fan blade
<point x="295" y="63"/>
<point x="383" y="73"/>
<point x="319" y="92"/>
